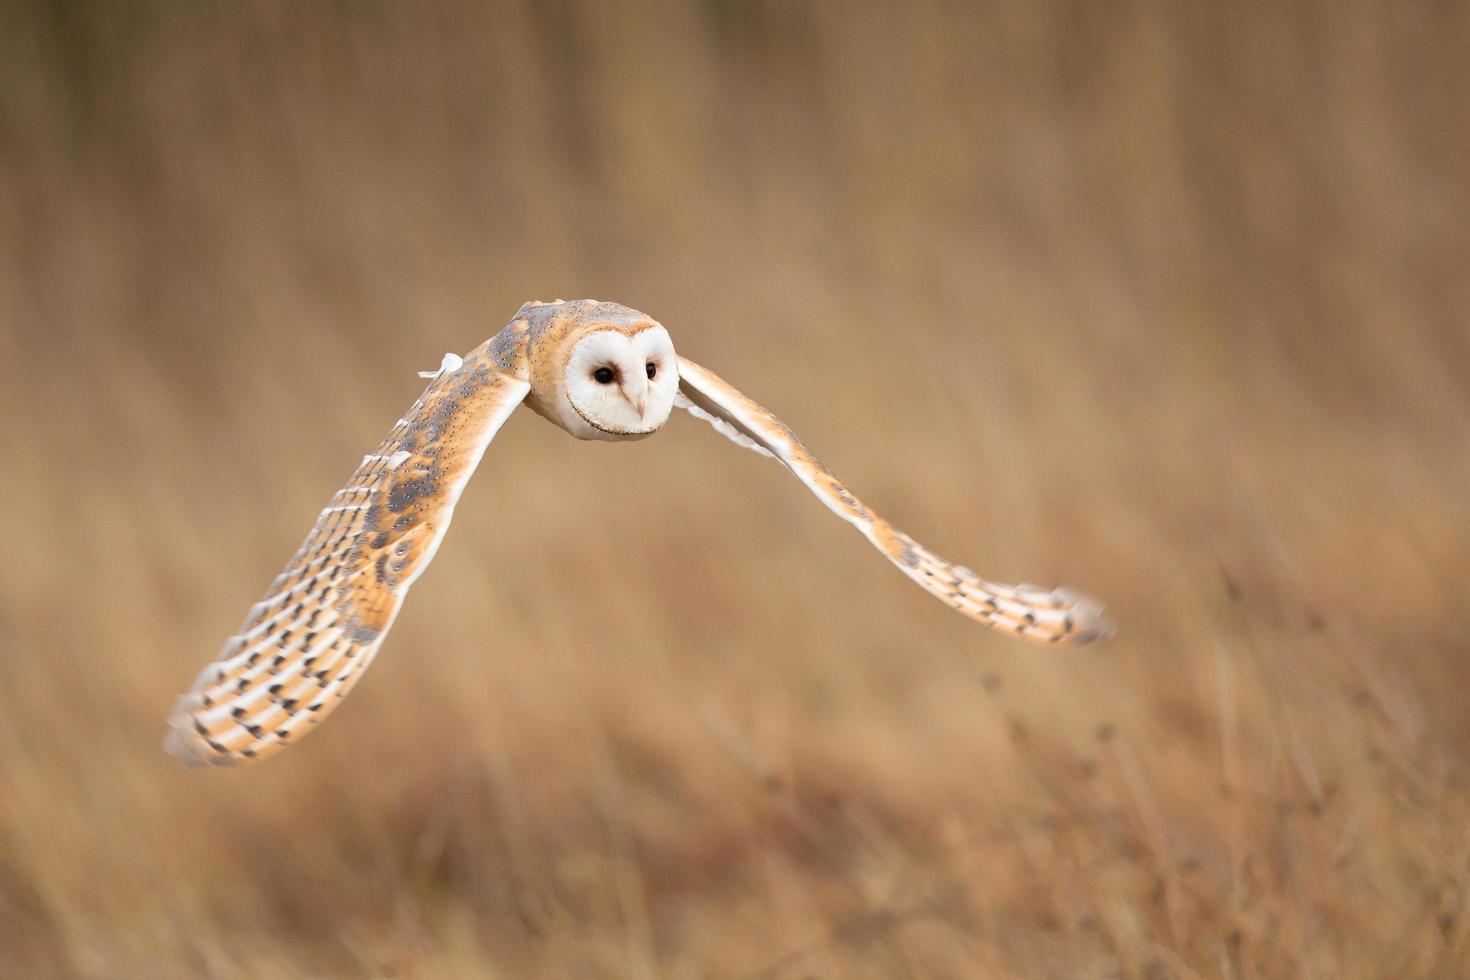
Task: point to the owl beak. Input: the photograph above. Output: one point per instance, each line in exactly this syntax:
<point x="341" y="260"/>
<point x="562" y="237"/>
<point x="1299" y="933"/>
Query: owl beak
<point x="640" y="404"/>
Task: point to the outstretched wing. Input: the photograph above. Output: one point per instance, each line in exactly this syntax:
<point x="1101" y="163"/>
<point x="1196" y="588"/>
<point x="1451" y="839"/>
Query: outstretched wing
<point x="303" y="647"/>
<point x="1027" y="611"/>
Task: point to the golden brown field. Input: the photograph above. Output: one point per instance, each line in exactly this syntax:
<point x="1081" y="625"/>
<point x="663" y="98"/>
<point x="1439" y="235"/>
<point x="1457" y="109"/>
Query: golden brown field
<point x="1168" y="302"/>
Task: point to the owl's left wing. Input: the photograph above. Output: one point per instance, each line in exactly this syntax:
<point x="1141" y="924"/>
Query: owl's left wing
<point x="1028" y="611"/>
<point x="303" y="647"/>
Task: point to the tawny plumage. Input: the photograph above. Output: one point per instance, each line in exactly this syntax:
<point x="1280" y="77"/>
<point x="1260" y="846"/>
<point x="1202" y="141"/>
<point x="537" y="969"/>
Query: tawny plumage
<point x="597" y="370"/>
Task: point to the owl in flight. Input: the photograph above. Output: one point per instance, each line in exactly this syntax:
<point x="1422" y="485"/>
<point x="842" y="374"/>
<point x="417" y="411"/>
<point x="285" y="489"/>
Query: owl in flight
<point x="597" y="370"/>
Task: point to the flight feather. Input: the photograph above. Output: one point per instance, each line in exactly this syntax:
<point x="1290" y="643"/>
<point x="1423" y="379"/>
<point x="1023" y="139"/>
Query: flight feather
<point x="304" y="646"/>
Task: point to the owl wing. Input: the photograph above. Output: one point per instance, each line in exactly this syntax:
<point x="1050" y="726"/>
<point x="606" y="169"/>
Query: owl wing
<point x="1027" y="611"/>
<point x="303" y="647"/>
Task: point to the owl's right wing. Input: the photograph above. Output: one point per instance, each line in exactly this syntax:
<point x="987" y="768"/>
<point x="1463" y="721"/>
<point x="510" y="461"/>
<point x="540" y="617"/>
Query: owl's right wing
<point x="303" y="647"/>
<point x="1028" y="611"/>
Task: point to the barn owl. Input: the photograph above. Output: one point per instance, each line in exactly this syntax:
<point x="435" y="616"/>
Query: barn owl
<point x="599" y="371"/>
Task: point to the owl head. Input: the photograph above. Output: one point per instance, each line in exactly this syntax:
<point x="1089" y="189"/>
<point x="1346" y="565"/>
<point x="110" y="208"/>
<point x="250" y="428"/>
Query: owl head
<point x="601" y="370"/>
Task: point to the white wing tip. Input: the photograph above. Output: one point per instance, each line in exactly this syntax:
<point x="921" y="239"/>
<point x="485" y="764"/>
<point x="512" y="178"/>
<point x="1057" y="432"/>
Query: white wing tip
<point x="1088" y="623"/>
<point x="183" y="742"/>
<point x="1080" y="610"/>
<point x="187" y="747"/>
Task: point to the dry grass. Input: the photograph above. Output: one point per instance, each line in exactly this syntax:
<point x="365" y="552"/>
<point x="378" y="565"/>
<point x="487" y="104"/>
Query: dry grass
<point x="1164" y="301"/>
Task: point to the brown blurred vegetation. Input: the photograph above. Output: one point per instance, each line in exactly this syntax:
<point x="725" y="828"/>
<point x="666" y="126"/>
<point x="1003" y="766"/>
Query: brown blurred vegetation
<point x="1165" y="301"/>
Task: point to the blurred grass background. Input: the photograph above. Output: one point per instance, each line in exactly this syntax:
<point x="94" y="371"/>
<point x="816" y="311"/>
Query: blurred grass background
<point x="1165" y="301"/>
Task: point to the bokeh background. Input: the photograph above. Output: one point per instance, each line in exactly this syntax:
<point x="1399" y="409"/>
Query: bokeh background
<point x="1167" y="301"/>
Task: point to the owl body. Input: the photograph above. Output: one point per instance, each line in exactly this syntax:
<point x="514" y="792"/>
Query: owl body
<point x="599" y="371"/>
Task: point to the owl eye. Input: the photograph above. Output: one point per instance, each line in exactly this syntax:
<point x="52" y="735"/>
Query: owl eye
<point x="652" y="370"/>
<point x="604" y="375"/>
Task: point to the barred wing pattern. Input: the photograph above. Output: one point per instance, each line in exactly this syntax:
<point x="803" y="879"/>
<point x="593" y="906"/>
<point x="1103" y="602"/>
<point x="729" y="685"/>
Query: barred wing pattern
<point x="1028" y="611"/>
<point x="304" y="646"/>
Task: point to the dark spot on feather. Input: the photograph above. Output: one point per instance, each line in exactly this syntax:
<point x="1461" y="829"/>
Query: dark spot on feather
<point x="216" y="746"/>
<point x="289" y="704"/>
<point x="380" y="567"/>
<point x="248" y="753"/>
<point x="253" y="659"/>
<point x="285" y="638"/>
<point x="405" y="494"/>
<point x="237" y="712"/>
<point x="282" y="734"/>
<point x="274" y="689"/>
<point x="380" y="540"/>
<point x="199" y="727"/>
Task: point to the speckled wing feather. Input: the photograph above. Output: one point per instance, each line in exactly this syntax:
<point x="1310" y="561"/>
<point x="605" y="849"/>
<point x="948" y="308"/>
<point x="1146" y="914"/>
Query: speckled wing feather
<point x="304" y="646"/>
<point x="1027" y="611"/>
